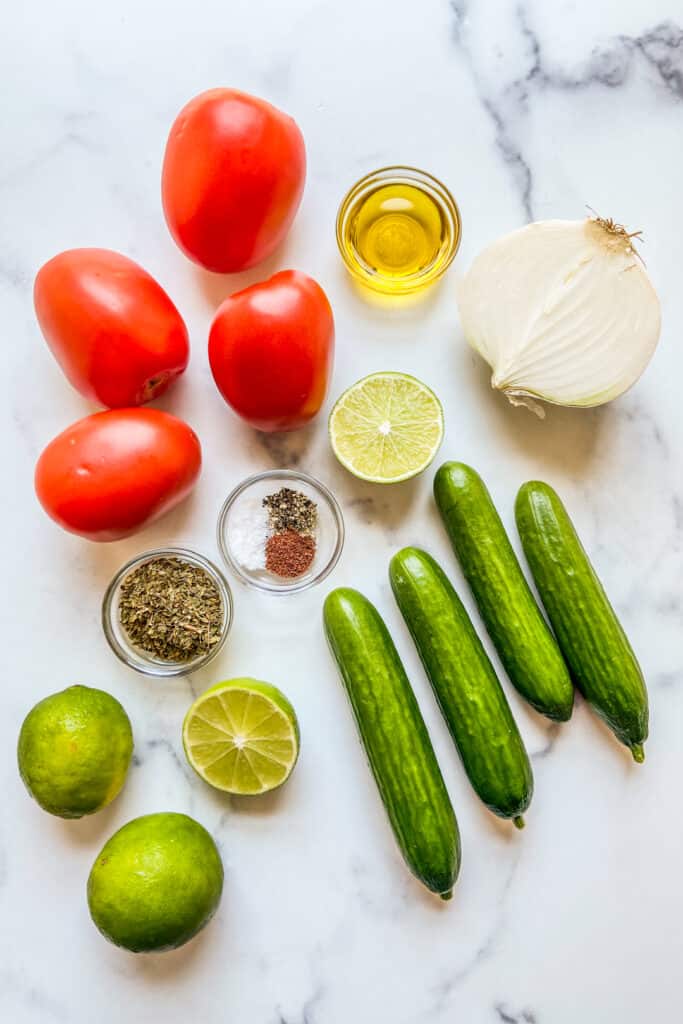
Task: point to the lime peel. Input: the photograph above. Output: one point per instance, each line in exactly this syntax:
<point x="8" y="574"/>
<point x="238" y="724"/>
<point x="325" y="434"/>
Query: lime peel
<point x="74" y="751"/>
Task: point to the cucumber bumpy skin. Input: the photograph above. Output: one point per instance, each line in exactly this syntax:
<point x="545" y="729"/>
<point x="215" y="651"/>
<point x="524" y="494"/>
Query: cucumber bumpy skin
<point x="395" y="739"/>
<point x="590" y="635"/>
<point x="512" y="617"/>
<point x="465" y="684"/>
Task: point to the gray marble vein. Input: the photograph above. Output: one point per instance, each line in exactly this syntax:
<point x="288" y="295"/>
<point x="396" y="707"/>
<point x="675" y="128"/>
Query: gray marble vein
<point x="521" y="1017"/>
<point x="485" y="950"/>
<point x="506" y="100"/>
<point x="30" y="1000"/>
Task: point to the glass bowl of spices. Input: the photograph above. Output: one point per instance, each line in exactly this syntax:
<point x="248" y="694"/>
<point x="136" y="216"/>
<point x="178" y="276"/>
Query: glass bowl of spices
<point x="398" y="230"/>
<point x="167" y="612"/>
<point x="281" y="531"/>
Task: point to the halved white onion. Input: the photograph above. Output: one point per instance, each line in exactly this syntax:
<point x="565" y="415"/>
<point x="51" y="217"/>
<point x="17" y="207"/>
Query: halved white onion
<point x="562" y="311"/>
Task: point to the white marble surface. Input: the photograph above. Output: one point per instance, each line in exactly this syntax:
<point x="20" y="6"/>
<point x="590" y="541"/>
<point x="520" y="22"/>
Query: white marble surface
<point x="525" y="110"/>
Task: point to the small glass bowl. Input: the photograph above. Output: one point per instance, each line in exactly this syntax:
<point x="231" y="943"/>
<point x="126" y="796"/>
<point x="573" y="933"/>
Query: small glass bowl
<point x="329" y="536"/>
<point x="134" y="656"/>
<point x="398" y="284"/>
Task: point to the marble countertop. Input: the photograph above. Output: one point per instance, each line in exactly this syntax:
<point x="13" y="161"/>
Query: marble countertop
<point x="527" y="111"/>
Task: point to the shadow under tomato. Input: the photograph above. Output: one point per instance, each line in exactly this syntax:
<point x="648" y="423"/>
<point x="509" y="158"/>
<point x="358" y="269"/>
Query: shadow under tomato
<point x="168" y="529"/>
<point x="285" y="449"/>
<point x="217" y="287"/>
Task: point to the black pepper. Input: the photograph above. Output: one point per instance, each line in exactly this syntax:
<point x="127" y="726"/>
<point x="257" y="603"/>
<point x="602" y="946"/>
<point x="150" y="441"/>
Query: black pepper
<point x="291" y="510"/>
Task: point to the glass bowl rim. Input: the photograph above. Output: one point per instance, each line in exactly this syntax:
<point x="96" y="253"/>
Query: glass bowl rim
<point x="411" y="175"/>
<point x="152" y="667"/>
<point x="315" y="485"/>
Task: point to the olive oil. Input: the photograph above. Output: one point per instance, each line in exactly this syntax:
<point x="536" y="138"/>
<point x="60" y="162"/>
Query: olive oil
<point x="398" y="230"/>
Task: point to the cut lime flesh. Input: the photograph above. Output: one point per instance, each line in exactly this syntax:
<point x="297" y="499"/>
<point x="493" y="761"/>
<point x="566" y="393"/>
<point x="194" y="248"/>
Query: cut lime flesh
<point x="387" y="427"/>
<point x="242" y="737"/>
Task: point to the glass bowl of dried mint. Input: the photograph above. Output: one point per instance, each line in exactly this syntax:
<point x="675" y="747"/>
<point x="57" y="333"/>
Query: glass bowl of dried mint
<point x="167" y="612"/>
<point x="281" y="531"/>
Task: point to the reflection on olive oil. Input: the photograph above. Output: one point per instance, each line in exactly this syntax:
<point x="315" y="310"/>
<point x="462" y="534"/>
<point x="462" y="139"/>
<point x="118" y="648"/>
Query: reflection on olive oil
<point x="398" y="230"/>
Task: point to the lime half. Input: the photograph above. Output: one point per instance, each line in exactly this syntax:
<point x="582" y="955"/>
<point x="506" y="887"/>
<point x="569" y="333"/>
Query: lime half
<point x="387" y="427"/>
<point x="242" y="736"/>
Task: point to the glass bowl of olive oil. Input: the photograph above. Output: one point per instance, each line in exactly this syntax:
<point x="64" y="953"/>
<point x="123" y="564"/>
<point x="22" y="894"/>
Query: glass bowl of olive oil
<point x="398" y="230"/>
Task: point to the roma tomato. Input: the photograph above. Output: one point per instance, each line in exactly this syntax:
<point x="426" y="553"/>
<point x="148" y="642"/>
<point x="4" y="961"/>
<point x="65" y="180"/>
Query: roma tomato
<point x="232" y="179"/>
<point x="113" y="330"/>
<point x="112" y="473"/>
<point x="271" y="348"/>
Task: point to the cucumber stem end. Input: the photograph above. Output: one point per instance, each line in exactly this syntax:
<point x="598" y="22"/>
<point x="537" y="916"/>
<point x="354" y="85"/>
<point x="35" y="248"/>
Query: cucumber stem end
<point x="518" y="822"/>
<point x="446" y="895"/>
<point x="638" y="753"/>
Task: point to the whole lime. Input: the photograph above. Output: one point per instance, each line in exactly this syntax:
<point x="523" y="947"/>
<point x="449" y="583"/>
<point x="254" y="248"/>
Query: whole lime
<point x="74" y="751"/>
<point x="155" y="883"/>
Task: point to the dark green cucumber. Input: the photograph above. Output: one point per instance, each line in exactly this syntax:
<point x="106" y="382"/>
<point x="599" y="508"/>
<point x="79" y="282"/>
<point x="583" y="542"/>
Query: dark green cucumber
<point x="465" y="684"/>
<point x="514" y="621"/>
<point x="598" y="653"/>
<point x="395" y="738"/>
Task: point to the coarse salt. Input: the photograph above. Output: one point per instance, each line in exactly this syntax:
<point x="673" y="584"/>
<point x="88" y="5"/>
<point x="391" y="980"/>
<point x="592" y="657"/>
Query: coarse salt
<point x="249" y="533"/>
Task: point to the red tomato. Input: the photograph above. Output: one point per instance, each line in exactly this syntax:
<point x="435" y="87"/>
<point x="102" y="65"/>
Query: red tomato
<point x="113" y="330"/>
<point x="112" y="473"/>
<point x="232" y="179"/>
<point x="271" y="348"/>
